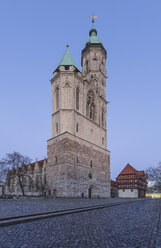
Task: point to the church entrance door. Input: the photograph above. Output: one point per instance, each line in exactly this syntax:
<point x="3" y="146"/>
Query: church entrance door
<point x="89" y="193"/>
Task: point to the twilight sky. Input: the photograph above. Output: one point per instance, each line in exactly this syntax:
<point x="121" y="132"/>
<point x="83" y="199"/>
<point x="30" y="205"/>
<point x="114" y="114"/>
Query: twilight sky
<point x="33" y="38"/>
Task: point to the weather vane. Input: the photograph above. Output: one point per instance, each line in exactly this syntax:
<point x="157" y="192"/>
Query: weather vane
<point x="93" y="18"/>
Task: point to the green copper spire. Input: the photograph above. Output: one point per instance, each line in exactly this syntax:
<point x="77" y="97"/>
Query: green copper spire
<point x="93" y="37"/>
<point x="67" y="59"/>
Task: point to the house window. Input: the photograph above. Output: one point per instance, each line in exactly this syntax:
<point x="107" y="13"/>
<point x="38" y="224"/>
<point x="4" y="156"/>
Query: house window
<point x="77" y="160"/>
<point x="57" y="98"/>
<point x="77" y="98"/>
<point x="77" y="127"/>
<point x="103" y="141"/>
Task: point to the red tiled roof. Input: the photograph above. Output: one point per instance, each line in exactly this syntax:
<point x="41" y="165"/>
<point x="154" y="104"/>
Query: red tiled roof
<point x="129" y="170"/>
<point x="113" y="183"/>
<point x="141" y="173"/>
<point x="41" y="162"/>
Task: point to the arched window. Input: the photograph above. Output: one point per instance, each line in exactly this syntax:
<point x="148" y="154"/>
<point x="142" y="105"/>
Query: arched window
<point x="77" y="98"/>
<point x="102" y="117"/>
<point x="90" y="106"/>
<point x="57" y="98"/>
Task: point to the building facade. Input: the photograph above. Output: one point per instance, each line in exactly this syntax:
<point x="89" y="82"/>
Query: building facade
<point x="114" y="189"/>
<point x="78" y="162"/>
<point x="78" y="159"/>
<point x="1" y="190"/>
<point x="32" y="178"/>
<point x="131" y="183"/>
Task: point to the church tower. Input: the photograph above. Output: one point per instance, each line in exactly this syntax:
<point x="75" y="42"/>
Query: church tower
<point x="78" y="159"/>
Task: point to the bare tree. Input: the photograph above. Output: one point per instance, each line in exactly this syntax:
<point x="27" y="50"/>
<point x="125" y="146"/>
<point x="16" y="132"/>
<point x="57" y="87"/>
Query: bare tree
<point x="40" y="186"/>
<point x="154" y="174"/>
<point x="17" y="163"/>
<point x="3" y="173"/>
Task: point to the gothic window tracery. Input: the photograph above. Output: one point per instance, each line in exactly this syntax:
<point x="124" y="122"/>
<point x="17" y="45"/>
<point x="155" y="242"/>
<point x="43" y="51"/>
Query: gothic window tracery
<point x="90" y="105"/>
<point x="77" y="98"/>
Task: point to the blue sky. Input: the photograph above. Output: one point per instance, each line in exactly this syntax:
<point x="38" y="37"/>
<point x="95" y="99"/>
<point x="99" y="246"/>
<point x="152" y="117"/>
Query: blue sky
<point x="33" y="38"/>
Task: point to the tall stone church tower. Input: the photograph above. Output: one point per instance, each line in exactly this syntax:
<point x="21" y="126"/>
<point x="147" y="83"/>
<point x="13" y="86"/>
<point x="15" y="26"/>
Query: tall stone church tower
<point x="78" y="159"/>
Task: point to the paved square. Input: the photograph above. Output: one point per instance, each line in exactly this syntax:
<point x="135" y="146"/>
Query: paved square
<point x="131" y="225"/>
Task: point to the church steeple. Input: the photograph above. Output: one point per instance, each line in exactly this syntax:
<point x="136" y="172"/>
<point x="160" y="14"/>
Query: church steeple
<point x="67" y="59"/>
<point x="93" y="56"/>
<point x="93" y="37"/>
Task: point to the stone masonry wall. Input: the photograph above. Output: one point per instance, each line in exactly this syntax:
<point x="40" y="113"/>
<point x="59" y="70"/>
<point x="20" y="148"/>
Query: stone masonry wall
<point x="75" y="166"/>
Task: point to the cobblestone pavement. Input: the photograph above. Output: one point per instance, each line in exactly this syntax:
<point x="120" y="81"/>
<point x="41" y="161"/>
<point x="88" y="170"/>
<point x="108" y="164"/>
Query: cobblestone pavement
<point x="129" y="225"/>
<point x="13" y="207"/>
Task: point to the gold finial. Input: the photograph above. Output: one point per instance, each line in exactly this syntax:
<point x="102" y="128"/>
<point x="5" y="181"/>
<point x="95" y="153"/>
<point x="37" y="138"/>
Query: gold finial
<point x="93" y="17"/>
<point x="67" y="45"/>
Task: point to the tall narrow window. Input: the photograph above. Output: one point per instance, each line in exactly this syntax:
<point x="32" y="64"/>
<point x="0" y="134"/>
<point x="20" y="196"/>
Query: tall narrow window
<point x="90" y="106"/>
<point x="56" y="159"/>
<point x="77" y="98"/>
<point x="57" y="128"/>
<point x="86" y="66"/>
<point x="87" y="109"/>
<point x="57" y="98"/>
<point x="91" y="164"/>
<point x="102" y="117"/>
<point x="77" y="160"/>
<point x="92" y="112"/>
<point x="77" y="127"/>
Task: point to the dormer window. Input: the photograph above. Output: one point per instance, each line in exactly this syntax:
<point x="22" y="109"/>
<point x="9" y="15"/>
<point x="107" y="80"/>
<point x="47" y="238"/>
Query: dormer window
<point x="67" y="68"/>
